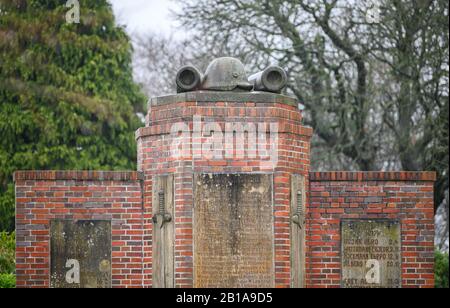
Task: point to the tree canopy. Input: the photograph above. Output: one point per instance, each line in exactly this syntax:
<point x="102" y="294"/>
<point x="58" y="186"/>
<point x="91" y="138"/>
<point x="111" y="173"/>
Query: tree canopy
<point x="67" y="96"/>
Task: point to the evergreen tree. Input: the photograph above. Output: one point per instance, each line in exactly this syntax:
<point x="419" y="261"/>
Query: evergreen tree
<point x="67" y="97"/>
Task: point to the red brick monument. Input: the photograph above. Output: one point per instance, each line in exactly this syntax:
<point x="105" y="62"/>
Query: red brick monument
<point x="224" y="197"/>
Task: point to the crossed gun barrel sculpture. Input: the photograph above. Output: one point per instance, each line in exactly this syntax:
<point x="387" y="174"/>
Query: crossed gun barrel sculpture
<point x="228" y="74"/>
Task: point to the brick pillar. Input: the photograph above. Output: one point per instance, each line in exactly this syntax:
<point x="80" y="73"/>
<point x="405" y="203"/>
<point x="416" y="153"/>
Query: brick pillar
<point x="155" y="158"/>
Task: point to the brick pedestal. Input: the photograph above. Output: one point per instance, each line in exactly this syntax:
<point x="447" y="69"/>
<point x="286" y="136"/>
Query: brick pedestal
<point x="298" y="218"/>
<point x="155" y="157"/>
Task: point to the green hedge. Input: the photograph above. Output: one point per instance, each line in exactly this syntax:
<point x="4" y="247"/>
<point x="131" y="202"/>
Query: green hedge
<point x="7" y="281"/>
<point x="7" y="255"/>
<point x="7" y="260"/>
<point x="441" y="270"/>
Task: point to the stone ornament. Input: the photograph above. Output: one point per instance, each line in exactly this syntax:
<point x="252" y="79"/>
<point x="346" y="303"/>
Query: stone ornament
<point x="272" y="79"/>
<point x="189" y="78"/>
<point x="228" y="74"/>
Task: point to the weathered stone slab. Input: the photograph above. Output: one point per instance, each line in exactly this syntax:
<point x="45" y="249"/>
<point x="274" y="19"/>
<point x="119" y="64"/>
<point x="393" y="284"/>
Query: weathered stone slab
<point x="233" y="235"/>
<point x="80" y="254"/>
<point x="297" y="229"/>
<point x="371" y="253"/>
<point x="163" y="232"/>
<point x="214" y="96"/>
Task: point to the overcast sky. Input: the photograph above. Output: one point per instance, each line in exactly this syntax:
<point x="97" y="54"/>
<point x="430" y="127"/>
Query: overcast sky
<point x="141" y="16"/>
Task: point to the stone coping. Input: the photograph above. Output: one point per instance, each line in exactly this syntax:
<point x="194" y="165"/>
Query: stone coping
<point x="313" y="176"/>
<point x="362" y="176"/>
<point x="49" y="175"/>
<point x="214" y="96"/>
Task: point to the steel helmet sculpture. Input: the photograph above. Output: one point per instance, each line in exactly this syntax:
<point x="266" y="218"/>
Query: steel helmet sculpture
<point x="228" y="74"/>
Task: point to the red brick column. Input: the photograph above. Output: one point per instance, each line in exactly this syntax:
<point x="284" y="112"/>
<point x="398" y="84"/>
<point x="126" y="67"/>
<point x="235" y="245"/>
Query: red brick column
<point x="407" y="196"/>
<point x="154" y="143"/>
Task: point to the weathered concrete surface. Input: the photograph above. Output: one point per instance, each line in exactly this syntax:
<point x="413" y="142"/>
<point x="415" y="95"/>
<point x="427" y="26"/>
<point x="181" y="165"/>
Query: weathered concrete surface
<point x="297" y="229"/>
<point x="80" y="254"/>
<point x="233" y="237"/>
<point x="371" y="253"/>
<point x="163" y="232"/>
<point x="216" y="96"/>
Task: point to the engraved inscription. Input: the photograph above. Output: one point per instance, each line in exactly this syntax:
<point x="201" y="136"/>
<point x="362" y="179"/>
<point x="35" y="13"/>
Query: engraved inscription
<point x="371" y="254"/>
<point x="233" y="235"/>
<point x="80" y="254"/>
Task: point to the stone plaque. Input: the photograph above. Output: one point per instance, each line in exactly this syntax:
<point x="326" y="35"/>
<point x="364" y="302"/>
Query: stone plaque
<point x="80" y="254"/>
<point x="371" y="253"/>
<point x="233" y="237"/>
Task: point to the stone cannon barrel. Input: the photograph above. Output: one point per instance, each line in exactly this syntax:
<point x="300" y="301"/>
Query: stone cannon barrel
<point x="188" y="79"/>
<point x="272" y="79"/>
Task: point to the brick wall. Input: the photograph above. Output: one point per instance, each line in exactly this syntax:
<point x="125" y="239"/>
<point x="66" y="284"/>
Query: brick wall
<point x="407" y="196"/>
<point x="45" y="195"/>
<point x="125" y="198"/>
